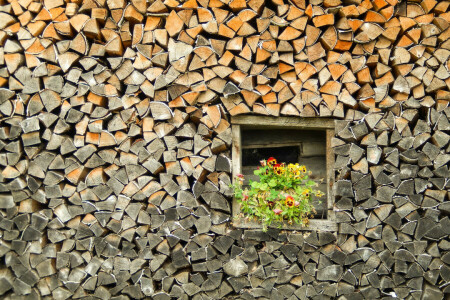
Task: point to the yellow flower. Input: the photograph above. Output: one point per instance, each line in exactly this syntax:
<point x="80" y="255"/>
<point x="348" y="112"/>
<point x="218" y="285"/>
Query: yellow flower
<point x="278" y="169"/>
<point x="291" y="168"/>
<point x="290" y="201"/>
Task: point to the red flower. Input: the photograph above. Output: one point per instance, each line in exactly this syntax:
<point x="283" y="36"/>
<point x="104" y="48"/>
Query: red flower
<point x="245" y="198"/>
<point x="240" y="176"/>
<point x="279" y="169"/>
<point x="270" y="203"/>
<point x="277" y="211"/>
<point x="271" y="161"/>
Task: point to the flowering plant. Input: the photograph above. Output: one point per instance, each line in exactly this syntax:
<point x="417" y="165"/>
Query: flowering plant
<point x="283" y="193"/>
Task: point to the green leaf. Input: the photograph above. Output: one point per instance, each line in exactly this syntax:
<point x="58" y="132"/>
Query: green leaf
<point x="255" y="185"/>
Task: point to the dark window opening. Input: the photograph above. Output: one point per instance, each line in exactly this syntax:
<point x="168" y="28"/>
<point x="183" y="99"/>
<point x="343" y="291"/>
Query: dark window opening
<point x="253" y="156"/>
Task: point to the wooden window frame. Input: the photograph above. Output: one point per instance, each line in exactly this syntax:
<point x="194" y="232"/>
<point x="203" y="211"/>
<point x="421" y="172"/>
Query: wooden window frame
<point x="257" y="122"/>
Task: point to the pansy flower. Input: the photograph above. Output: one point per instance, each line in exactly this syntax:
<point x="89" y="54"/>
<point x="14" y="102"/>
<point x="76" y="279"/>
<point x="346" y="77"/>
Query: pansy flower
<point x="278" y="169"/>
<point x="271" y="161"/>
<point x="292" y="168"/>
<point x="277" y="211"/>
<point x="290" y="201"/>
<point x="305" y="192"/>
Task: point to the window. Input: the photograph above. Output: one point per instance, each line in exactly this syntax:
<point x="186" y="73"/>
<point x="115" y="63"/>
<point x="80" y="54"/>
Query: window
<point x="303" y="140"/>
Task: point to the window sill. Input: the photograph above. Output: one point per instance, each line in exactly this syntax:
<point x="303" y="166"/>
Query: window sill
<point x="314" y="224"/>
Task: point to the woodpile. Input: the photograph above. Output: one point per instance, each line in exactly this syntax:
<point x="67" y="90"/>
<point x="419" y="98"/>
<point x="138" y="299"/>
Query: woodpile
<point x="115" y="143"/>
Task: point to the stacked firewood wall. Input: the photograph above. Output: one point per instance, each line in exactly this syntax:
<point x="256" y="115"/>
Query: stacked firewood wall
<point x="115" y="143"/>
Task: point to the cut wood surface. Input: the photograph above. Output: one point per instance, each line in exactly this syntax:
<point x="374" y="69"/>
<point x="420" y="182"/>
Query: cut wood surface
<point x="119" y="119"/>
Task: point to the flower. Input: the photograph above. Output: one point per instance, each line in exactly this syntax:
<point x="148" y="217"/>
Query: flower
<point x="277" y="211"/>
<point x="279" y="169"/>
<point x="282" y="192"/>
<point x="290" y="201"/>
<point x="292" y="168"/>
<point x="305" y="192"/>
<point x="240" y="177"/>
<point x="271" y="161"/>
